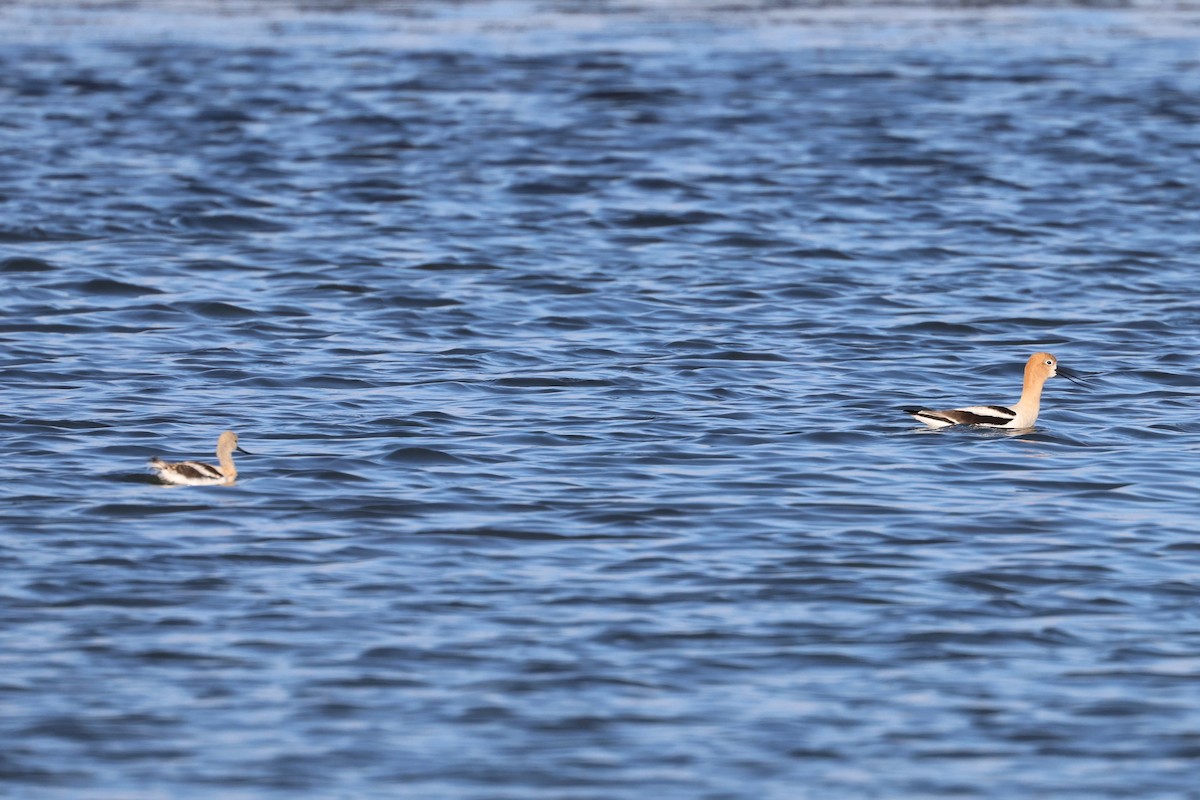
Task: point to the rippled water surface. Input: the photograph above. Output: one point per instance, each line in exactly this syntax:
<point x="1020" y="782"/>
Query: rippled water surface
<point x="569" y="345"/>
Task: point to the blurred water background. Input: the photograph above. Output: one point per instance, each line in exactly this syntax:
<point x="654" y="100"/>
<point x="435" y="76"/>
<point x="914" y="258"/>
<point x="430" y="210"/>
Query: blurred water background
<point x="569" y="340"/>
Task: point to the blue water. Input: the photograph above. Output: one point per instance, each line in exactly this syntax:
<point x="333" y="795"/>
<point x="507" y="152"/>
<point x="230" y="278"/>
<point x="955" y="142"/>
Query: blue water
<point x="569" y="344"/>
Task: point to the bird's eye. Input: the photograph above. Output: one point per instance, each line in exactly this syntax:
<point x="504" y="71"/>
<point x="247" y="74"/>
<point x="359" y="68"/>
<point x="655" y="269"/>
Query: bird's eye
<point x="1049" y="363"/>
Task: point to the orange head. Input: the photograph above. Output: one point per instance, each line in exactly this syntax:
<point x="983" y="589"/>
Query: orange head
<point x="1042" y="366"/>
<point x="227" y="443"/>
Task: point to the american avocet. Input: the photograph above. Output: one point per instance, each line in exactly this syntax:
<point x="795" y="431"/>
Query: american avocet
<point x="194" y="473"/>
<point x="1039" y="368"/>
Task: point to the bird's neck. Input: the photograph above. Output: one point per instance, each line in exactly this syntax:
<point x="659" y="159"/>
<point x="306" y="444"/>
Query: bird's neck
<point x="227" y="468"/>
<point x="1030" y="403"/>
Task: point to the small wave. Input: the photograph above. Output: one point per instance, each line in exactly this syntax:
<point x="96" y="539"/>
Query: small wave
<point x="218" y="310"/>
<point x="456" y="266"/>
<point x="25" y="264"/>
<point x="632" y="96"/>
<point x="107" y="287"/>
<point x="231" y="223"/>
<point x="422" y="455"/>
<point x="37" y="233"/>
<point x="662" y="219"/>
